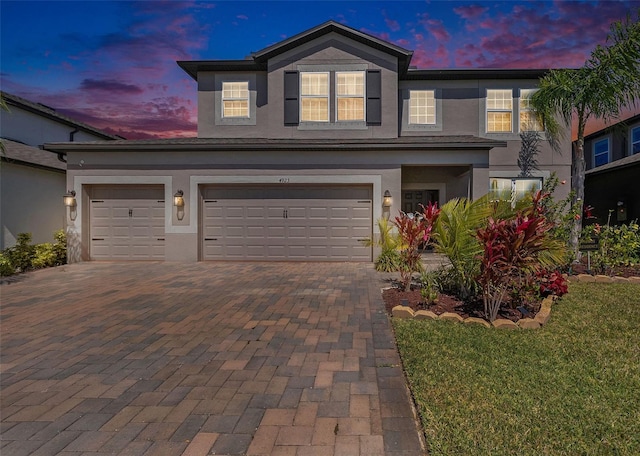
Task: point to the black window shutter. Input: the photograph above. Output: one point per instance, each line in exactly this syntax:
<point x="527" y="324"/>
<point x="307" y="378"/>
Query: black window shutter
<point x="291" y="95"/>
<point x="374" y="96"/>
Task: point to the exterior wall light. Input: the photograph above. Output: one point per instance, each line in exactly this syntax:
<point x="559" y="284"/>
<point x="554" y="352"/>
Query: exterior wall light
<point x="70" y="202"/>
<point x="178" y="202"/>
<point x="387" y="199"/>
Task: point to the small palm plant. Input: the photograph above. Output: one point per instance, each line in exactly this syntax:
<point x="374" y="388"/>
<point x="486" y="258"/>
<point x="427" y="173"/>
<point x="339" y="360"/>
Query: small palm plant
<point x="389" y="243"/>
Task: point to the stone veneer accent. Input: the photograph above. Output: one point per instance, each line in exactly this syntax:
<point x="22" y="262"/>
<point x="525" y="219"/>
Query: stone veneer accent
<point x="541" y="318"/>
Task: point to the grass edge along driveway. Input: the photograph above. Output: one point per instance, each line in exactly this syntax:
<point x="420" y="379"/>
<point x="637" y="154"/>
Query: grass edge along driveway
<point x="572" y="387"/>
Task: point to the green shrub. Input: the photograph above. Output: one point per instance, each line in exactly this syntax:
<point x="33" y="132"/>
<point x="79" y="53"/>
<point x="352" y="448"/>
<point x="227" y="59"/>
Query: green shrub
<point x="389" y="243"/>
<point x="6" y="267"/>
<point x="618" y="245"/>
<point x="24" y="256"/>
<point x="22" y="253"/>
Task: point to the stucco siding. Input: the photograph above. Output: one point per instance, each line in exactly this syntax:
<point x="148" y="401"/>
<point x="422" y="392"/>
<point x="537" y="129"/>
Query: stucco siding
<point x="31" y="203"/>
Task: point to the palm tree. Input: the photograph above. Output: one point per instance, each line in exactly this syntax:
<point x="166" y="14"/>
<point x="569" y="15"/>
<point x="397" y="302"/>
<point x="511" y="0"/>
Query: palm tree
<point x="608" y="82"/>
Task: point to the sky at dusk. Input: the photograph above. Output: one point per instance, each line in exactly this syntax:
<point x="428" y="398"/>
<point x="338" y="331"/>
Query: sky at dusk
<point x="113" y="64"/>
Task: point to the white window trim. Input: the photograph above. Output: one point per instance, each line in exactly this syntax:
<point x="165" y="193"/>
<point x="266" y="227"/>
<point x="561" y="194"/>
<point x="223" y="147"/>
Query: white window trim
<point x="487" y="111"/>
<point x="521" y="109"/>
<point x="327" y="97"/>
<point x="247" y="99"/>
<point x="593" y="151"/>
<point x="514" y="193"/>
<point x="435" y="107"/>
<point x="631" y="143"/>
<point x="363" y="96"/>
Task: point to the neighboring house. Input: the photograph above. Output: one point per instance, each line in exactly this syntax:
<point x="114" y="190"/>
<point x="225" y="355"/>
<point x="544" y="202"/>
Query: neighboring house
<point x="612" y="157"/>
<point x="297" y="147"/>
<point x="33" y="180"/>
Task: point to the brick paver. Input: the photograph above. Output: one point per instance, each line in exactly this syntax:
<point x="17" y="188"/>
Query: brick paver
<point x="205" y="358"/>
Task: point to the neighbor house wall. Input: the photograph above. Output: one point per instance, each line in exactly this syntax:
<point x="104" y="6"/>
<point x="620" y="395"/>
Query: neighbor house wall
<point x="31" y="202"/>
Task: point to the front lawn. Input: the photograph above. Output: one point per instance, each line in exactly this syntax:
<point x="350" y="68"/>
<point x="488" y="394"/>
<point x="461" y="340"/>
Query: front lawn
<point x="570" y="388"/>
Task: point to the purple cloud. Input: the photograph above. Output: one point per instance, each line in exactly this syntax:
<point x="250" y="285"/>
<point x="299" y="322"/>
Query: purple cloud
<point x="470" y="11"/>
<point x="110" y="86"/>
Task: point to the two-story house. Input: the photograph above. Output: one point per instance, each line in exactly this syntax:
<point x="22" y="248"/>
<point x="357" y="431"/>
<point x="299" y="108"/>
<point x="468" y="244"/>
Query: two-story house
<point x="612" y="159"/>
<point x="300" y="149"/>
<point x="33" y="179"/>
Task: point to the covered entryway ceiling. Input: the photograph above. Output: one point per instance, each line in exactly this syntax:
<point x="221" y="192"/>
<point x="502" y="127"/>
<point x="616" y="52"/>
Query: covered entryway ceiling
<point x="286" y="223"/>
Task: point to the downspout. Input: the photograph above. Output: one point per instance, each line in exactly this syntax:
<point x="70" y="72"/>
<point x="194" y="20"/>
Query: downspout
<point x="62" y="155"/>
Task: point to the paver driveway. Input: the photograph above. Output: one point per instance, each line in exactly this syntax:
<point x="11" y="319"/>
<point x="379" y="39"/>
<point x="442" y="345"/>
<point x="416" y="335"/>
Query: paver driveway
<point x="204" y="358"/>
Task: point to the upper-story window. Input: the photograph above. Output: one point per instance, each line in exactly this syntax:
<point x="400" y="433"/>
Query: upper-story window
<point x="235" y="99"/>
<point x="314" y="97"/>
<point x="422" y="107"/>
<point x="333" y="99"/>
<point x="499" y="110"/>
<point x="350" y="96"/>
<point x="529" y="121"/>
<point x="601" y="152"/>
<point x="635" y="140"/>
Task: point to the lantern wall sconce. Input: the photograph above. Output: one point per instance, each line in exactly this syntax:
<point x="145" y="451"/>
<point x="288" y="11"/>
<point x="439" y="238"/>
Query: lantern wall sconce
<point x="178" y="202"/>
<point x="387" y="199"/>
<point x="70" y="202"/>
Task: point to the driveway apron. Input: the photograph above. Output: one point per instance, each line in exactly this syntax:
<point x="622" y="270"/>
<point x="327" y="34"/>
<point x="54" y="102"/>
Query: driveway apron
<point x="201" y="358"/>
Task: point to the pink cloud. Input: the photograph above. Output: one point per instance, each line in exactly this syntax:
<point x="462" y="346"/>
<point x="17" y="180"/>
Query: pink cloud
<point x="110" y="86"/>
<point x="470" y="11"/>
<point x="392" y="24"/>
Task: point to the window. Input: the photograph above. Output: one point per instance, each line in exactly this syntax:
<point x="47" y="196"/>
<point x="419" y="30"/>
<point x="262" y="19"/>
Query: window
<point x="514" y="188"/>
<point x="601" y="152"/>
<point x="314" y="97"/>
<point x="499" y="111"/>
<point x="422" y="107"/>
<point x="235" y="99"/>
<point x="635" y="140"/>
<point x="529" y="121"/>
<point x="332" y="99"/>
<point x="350" y="96"/>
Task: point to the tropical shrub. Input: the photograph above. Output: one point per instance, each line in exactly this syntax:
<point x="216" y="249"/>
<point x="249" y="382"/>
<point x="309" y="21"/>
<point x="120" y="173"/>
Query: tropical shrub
<point x="21" y="254"/>
<point x="429" y="288"/>
<point x="618" y="245"/>
<point x="512" y="250"/>
<point x="454" y="235"/>
<point x="6" y="267"/>
<point x="25" y="256"/>
<point x="414" y="230"/>
<point x="389" y="243"/>
<point x="552" y="283"/>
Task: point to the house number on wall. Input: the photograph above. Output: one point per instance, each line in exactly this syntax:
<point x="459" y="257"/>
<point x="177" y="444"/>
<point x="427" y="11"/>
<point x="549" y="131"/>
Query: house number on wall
<point x="283" y="180"/>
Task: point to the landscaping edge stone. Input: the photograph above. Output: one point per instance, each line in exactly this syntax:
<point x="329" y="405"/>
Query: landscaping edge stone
<point x="541" y="318"/>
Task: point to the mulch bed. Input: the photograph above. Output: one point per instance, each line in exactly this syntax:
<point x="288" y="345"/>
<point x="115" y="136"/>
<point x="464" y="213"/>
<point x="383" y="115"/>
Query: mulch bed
<point x="446" y="303"/>
<point x="394" y="296"/>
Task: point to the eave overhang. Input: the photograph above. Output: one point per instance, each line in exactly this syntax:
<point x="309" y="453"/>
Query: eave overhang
<point x="244" y="144"/>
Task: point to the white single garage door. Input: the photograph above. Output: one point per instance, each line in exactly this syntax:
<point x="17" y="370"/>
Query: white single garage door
<point x="127" y="223"/>
<point x="286" y="223"/>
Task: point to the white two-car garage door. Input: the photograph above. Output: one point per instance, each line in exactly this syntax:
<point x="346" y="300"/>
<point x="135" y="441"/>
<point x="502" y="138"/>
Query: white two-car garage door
<point x="127" y="222"/>
<point x="293" y="223"/>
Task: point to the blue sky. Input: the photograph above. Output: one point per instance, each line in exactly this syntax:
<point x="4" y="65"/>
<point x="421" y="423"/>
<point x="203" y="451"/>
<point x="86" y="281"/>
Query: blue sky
<point x="113" y="64"/>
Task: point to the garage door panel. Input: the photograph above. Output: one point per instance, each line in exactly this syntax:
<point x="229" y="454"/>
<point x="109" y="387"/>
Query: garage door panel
<point x="306" y="227"/>
<point x="127" y="223"/>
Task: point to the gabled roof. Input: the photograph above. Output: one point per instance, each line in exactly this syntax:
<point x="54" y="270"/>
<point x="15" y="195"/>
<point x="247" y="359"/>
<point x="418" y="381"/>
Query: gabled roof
<point x="50" y="113"/>
<point x="15" y="152"/>
<point x="403" y="55"/>
<point x="258" y="60"/>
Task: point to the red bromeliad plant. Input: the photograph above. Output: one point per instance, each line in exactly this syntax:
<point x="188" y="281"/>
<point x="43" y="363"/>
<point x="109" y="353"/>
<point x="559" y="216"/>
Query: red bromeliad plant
<point x="415" y="230"/>
<point x="514" y="248"/>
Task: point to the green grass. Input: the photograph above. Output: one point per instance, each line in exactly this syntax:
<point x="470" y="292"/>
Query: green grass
<point x="570" y="388"/>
